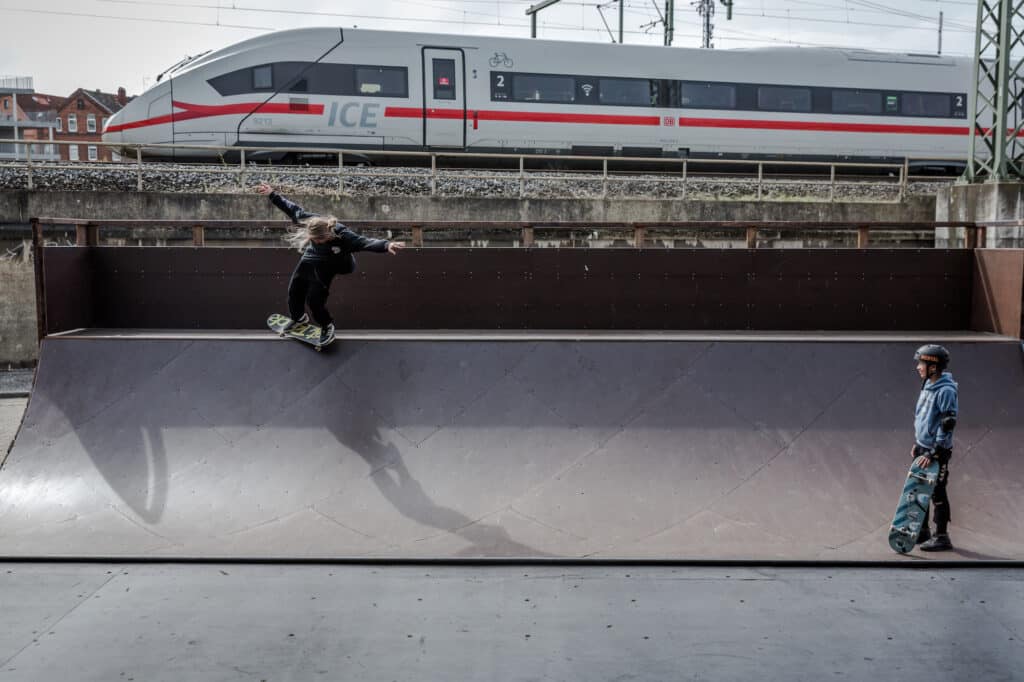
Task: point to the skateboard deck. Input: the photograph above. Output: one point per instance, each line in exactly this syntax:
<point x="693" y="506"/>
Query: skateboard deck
<point x="914" y="500"/>
<point x="304" y="332"/>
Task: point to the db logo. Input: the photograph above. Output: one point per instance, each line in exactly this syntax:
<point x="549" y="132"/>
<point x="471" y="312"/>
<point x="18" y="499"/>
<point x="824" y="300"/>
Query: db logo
<point x="669" y="121"/>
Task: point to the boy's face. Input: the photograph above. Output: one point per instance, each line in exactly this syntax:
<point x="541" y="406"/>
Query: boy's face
<point x="922" y="369"/>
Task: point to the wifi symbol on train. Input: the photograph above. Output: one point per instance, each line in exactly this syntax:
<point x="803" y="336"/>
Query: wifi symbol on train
<point x="587" y="88"/>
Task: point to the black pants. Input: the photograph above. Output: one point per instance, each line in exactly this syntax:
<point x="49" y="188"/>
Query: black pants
<point x="940" y="499"/>
<point x="310" y="285"/>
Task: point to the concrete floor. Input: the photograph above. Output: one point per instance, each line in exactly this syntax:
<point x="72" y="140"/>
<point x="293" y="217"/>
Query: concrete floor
<point x="273" y="622"/>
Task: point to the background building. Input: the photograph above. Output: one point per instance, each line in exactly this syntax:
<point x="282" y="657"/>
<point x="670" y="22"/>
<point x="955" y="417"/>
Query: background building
<point x="81" y="118"/>
<point x="27" y="115"/>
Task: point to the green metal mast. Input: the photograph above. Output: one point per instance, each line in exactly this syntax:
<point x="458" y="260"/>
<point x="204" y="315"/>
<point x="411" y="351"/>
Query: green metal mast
<point x="996" y="153"/>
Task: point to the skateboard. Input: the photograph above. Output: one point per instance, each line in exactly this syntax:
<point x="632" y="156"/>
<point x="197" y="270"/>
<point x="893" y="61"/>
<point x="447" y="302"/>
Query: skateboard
<point x="305" y="332"/>
<point x="917" y="494"/>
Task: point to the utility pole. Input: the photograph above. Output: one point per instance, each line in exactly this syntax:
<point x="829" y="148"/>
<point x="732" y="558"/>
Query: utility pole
<point x="532" y="13"/>
<point x="706" y="10"/>
<point x="670" y="21"/>
<point x="622" y="5"/>
<point x="995" y="152"/>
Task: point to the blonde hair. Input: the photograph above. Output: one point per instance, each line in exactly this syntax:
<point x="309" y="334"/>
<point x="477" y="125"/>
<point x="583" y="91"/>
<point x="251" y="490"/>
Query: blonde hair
<point x="314" y="227"/>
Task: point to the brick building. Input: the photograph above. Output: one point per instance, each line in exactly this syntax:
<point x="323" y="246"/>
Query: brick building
<point x="81" y="119"/>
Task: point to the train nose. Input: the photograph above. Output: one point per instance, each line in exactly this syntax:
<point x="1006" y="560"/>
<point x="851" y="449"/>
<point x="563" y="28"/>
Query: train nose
<point x="112" y="130"/>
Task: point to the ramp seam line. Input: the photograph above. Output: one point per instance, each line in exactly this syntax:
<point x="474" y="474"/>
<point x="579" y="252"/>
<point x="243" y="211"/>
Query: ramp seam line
<point x="61" y="619"/>
<point x="602" y="442"/>
<point x="756" y="472"/>
<point x="532" y="346"/>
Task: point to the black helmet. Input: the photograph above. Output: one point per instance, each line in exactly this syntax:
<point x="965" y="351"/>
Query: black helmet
<point x="933" y="354"/>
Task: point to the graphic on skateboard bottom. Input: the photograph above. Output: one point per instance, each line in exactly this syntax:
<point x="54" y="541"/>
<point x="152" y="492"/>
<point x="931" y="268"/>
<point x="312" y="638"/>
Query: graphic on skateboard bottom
<point x="303" y="331"/>
<point x="914" y="500"/>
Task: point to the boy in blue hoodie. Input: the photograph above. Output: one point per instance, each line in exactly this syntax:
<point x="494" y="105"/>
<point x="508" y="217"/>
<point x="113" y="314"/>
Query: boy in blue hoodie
<point x="934" y="421"/>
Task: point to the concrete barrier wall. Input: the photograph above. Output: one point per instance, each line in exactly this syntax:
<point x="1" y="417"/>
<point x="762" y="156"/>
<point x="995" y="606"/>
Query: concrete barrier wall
<point x="20" y="205"/>
<point x="17" y="314"/>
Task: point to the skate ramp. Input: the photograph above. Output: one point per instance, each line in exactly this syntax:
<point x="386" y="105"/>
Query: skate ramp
<point x="705" y="449"/>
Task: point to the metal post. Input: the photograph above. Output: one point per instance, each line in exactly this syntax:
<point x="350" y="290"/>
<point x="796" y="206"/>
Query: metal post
<point x="527" y="235"/>
<point x="341" y="172"/>
<point x="28" y="160"/>
<point x="622" y="5"/>
<point x="604" y="178"/>
<point x="685" y="183"/>
<point x="87" y="234"/>
<point x="522" y="179"/>
<point x="862" y="237"/>
<point x="241" y="171"/>
<point x="138" y="159"/>
<point x="37" y="267"/>
<point x="904" y="178"/>
<point x="433" y="174"/>
<point x="832" y="183"/>
<point x="760" y="178"/>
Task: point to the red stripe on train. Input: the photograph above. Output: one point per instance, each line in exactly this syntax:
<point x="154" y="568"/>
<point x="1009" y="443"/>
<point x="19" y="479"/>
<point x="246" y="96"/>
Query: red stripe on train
<point x="193" y="111"/>
<point x="682" y="122"/>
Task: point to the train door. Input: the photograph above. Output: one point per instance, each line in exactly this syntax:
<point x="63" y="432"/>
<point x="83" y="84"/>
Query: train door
<point x="444" y="98"/>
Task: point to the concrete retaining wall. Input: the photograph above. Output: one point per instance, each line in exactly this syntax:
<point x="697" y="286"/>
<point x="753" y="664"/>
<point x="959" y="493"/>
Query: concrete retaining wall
<point x="17" y="314"/>
<point x="19" y="205"/>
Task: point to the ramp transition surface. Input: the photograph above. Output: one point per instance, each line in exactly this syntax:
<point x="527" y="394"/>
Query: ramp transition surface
<point x="179" y="447"/>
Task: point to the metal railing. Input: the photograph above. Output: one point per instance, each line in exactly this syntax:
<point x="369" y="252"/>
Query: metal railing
<point x="763" y="177"/>
<point x="87" y="231"/>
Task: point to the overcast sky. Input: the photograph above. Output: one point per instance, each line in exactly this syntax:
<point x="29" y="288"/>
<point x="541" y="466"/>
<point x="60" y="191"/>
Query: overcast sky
<point x="103" y="44"/>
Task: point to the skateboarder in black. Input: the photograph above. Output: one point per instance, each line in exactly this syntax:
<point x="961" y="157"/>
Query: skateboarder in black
<point x="327" y="247"/>
<point x="934" y="421"/>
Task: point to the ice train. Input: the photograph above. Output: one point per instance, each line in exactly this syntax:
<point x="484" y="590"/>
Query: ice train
<point x="358" y="89"/>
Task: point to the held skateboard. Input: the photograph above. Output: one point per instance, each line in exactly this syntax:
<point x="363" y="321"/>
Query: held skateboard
<point x="914" y="501"/>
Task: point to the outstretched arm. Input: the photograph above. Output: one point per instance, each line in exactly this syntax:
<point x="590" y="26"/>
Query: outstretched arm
<point x="290" y="208"/>
<point x="357" y="242"/>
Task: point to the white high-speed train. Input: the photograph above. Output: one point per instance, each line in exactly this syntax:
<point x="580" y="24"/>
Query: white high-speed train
<point x="382" y="90"/>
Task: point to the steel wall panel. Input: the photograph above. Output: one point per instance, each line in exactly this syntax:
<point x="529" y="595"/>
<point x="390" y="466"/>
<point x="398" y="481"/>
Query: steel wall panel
<point x="806" y="289"/>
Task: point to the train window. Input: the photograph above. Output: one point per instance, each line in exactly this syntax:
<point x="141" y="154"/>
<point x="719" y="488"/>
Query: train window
<point x="501" y="83"/>
<point x="540" y="88"/>
<point x="586" y="90"/>
<point x="783" y="98"/>
<point x="263" y="77"/>
<point x="707" y="95"/>
<point x="627" y="92"/>
<point x="926" y="104"/>
<point x="444" y="79"/>
<point x="856" y="102"/>
<point x="382" y="81"/>
<point x="960" y="106"/>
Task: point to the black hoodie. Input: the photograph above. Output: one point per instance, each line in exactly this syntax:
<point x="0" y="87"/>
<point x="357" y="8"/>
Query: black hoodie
<point x="337" y="252"/>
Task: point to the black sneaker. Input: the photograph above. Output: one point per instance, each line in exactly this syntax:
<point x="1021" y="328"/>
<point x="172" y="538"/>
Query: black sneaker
<point x="295" y="323"/>
<point x="327" y="334"/>
<point x="925" y="536"/>
<point x="939" y="543"/>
